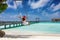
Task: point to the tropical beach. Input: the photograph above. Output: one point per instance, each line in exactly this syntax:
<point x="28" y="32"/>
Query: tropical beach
<point x="31" y="30"/>
<point x="29" y="18"/>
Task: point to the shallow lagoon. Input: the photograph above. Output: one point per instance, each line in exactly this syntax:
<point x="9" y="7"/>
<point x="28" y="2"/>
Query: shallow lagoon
<point x="47" y="27"/>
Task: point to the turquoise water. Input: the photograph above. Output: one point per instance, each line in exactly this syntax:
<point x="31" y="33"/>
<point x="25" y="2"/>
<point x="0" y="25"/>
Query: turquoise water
<point x="41" y="27"/>
<point x="45" y="27"/>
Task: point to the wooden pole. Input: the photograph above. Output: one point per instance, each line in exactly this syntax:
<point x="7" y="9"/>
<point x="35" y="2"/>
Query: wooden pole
<point x="5" y="26"/>
<point x="9" y="25"/>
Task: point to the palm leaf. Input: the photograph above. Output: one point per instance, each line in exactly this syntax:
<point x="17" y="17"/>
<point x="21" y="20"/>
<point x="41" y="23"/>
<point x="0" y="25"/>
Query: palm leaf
<point x="3" y="6"/>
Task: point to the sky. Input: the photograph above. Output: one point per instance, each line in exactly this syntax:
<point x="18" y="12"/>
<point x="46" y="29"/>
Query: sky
<point x="45" y="10"/>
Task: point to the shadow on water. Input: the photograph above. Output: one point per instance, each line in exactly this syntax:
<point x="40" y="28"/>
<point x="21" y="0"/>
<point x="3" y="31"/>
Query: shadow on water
<point x="17" y="36"/>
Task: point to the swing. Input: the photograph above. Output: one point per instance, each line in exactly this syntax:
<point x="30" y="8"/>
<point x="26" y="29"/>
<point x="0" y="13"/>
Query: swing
<point x="24" y="21"/>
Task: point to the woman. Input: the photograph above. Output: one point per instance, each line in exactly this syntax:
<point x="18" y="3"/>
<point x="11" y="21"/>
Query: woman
<point x="24" y="22"/>
<point x="23" y="18"/>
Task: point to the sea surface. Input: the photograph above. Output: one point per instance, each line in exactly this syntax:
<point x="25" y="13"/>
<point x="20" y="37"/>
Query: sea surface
<point x="45" y="27"/>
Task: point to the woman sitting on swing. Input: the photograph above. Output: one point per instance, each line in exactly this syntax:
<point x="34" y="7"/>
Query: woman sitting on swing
<point x="24" y="22"/>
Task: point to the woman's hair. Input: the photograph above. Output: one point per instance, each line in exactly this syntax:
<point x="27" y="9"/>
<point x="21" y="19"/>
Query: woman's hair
<point x="23" y="18"/>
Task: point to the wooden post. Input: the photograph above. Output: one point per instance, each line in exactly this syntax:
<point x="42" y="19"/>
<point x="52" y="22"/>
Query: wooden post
<point x="16" y="25"/>
<point x="19" y="24"/>
<point x="9" y="25"/>
<point x="5" y="26"/>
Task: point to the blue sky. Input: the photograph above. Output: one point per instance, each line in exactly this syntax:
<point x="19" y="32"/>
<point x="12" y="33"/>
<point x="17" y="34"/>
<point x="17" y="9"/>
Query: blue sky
<point x="43" y="9"/>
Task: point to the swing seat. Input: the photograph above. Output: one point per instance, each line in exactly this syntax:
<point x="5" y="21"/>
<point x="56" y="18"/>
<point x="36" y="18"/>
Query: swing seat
<point x="25" y="23"/>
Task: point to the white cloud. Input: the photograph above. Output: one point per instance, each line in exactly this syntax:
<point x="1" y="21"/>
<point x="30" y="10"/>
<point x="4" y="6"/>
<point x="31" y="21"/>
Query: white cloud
<point x="48" y="16"/>
<point x="53" y="15"/>
<point x="38" y="4"/>
<point x="19" y="3"/>
<point x="14" y="6"/>
<point x="57" y="7"/>
<point x="52" y="6"/>
<point x="16" y="3"/>
<point x="8" y="17"/>
<point x="32" y="17"/>
<point x="14" y="16"/>
<point x="29" y="2"/>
